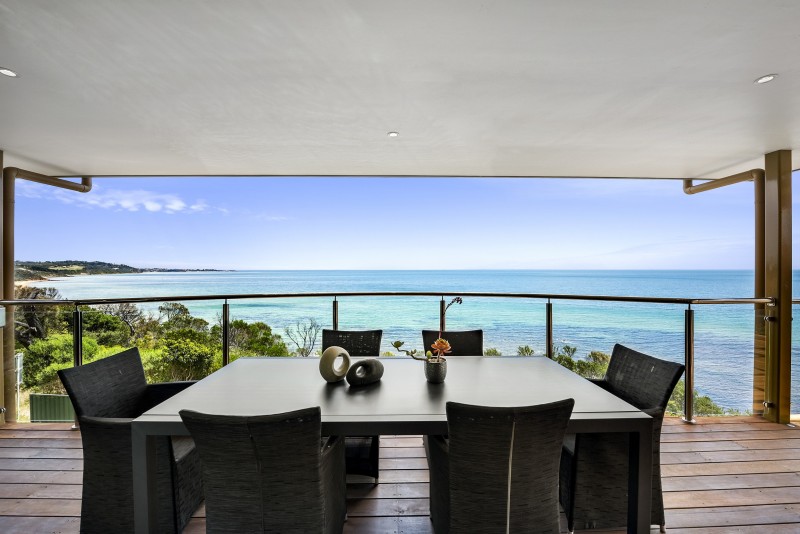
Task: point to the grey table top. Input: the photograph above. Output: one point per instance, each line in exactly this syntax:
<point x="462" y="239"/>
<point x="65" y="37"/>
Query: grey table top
<point x="253" y="386"/>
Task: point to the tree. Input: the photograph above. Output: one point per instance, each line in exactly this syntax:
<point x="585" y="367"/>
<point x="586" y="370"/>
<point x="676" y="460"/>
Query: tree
<point x="304" y="335"/>
<point x="176" y="316"/>
<point x="109" y="330"/>
<point x="252" y="339"/>
<point x="34" y="322"/>
<point x="127" y="312"/>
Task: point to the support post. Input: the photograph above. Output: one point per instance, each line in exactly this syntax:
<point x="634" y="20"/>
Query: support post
<point x="226" y="332"/>
<point x="10" y="175"/>
<point x="77" y="337"/>
<point x="9" y="374"/>
<point x="335" y="314"/>
<point x="442" y="308"/>
<point x="778" y="283"/>
<point x="688" y="374"/>
<point x="760" y="310"/>
<point x="6" y="331"/>
<point x="549" y="327"/>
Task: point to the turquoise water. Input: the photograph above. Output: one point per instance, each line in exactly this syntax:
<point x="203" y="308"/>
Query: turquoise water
<point x="723" y="333"/>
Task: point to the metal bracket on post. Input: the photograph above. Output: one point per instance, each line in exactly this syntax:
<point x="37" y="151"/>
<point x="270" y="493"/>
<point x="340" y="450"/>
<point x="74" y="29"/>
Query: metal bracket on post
<point x="226" y="330"/>
<point x="688" y="390"/>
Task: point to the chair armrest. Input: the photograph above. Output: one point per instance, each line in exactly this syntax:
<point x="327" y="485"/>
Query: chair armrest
<point x="655" y="413"/>
<point x="159" y="392"/>
<point x="601" y="382"/>
<point x="110" y="422"/>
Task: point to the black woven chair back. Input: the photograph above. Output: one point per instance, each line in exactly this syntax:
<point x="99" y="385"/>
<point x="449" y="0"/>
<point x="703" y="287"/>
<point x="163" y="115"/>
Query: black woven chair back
<point x="112" y="387"/>
<point x="355" y="342"/>
<point x="261" y="473"/>
<point x="462" y="342"/>
<point x="642" y="380"/>
<point x="512" y="455"/>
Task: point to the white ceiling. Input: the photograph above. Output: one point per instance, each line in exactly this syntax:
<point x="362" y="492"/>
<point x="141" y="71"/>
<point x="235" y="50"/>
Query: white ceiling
<point x="475" y="88"/>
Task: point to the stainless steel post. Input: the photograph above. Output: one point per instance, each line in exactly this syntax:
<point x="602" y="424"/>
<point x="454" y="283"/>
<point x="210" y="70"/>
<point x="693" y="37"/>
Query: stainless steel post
<point x="226" y="331"/>
<point x="442" y="308"/>
<point x="549" y="323"/>
<point x="77" y="337"/>
<point x="335" y="314"/>
<point x="77" y="348"/>
<point x="688" y="392"/>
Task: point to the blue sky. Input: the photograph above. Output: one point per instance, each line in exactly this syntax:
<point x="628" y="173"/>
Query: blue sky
<point x="388" y="223"/>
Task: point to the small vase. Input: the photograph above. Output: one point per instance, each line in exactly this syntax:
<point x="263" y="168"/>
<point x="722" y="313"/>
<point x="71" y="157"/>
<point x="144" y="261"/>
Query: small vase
<point x="435" y="371"/>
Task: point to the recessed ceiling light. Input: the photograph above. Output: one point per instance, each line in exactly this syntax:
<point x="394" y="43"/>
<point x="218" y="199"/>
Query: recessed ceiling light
<point x="393" y="134"/>
<point x="766" y="78"/>
<point x="8" y="72"/>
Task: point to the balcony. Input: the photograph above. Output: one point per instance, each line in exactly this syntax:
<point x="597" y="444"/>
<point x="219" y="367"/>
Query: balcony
<point x="721" y="475"/>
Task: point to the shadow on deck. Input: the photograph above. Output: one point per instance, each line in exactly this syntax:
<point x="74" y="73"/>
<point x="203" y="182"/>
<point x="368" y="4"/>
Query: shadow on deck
<point x="733" y="474"/>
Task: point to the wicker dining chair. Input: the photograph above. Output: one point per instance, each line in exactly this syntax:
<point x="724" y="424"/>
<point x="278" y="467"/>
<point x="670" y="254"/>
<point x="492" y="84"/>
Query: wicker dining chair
<point x="107" y="395"/>
<point x="270" y="473"/>
<point x="362" y="453"/>
<point x="498" y="469"/>
<point x="462" y="342"/>
<point x="594" y="467"/>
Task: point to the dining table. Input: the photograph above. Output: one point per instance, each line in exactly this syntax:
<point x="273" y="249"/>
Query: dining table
<point x="402" y="402"/>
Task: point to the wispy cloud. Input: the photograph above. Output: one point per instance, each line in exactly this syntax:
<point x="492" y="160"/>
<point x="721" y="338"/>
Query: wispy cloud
<point x="116" y="199"/>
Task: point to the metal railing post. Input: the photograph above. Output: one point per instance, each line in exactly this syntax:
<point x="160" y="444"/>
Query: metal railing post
<point x="226" y="332"/>
<point x="688" y="391"/>
<point x="77" y="337"/>
<point x="335" y="314"/>
<point x="549" y="327"/>
<point x="77" y="348"/>
<point x="442" y="308"/>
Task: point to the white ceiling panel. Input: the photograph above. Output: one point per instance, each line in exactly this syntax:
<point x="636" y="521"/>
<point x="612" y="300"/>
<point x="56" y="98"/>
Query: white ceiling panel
<point x="504" y="88"/>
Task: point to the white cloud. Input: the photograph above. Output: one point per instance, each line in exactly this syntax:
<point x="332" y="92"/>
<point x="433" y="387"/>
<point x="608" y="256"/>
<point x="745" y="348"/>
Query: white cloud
<point x="115" y="199"/>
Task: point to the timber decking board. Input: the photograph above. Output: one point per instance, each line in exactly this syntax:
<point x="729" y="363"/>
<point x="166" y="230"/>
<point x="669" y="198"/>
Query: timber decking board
<point x="733" y="474"/>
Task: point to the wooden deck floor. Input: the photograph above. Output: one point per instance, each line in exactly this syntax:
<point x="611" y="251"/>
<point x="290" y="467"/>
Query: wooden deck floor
<point x="738" y="474"/>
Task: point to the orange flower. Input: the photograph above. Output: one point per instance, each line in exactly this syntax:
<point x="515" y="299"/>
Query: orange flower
<point x="441" y="347"/>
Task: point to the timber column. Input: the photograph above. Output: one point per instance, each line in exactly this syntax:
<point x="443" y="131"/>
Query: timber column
<point x="778" y="283"/>
<point x="6" y="321"/>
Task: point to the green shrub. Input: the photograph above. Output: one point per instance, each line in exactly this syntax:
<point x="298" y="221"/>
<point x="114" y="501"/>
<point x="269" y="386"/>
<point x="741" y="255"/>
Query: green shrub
<point x="182" y="359"/>
<point x="44" y="357"/>
<point x="524" y="350"/>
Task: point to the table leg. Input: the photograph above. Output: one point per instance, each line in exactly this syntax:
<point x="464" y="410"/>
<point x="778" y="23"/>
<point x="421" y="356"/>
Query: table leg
<point x="143" y="452"/>
<point x="640" y="473"/>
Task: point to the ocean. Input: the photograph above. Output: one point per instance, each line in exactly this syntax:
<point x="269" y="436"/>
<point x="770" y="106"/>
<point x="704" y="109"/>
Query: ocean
<point x="723" y="333"/>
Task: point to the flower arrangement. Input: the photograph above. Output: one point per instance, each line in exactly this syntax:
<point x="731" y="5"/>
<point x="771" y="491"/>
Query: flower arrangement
<point x="440" y="348"/>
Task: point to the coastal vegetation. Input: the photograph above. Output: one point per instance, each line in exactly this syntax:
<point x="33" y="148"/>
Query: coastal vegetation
<point x="43" y="270"/>
<point x="175" y="345"/>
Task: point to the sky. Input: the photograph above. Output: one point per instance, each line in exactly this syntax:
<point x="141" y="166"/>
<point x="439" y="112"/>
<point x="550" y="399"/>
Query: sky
<point x="389" y="223"/>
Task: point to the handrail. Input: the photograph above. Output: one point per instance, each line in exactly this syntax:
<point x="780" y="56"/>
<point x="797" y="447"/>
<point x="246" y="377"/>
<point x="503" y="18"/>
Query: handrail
<point x="688" y="415"/>
<point x="336" y="294"/>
